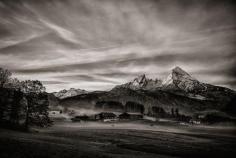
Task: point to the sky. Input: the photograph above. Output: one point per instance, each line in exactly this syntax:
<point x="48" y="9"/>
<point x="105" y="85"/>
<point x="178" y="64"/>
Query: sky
<point x="97" y="44"/>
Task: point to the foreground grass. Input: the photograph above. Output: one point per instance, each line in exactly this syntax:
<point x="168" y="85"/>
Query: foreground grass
<point x="106" y="141"/>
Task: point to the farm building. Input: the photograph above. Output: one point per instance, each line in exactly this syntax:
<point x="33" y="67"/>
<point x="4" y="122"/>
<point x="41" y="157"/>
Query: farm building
<point x="131" y="116"/>
<point x="104" y="116"/>
<point x="80" y="118"/>
<point x="124" y="116"/>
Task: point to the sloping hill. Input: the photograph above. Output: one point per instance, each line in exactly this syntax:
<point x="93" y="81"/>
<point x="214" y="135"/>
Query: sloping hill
<point x="179" y="90"/>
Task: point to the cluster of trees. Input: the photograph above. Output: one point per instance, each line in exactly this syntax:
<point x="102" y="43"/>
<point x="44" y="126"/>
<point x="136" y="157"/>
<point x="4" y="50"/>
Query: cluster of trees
<point x="134" y="107"/>
<point x="174" y="113"/>
<point x="118" y="106"/>
<point x="109" y="105"/>
<point x="22" y="102"/>
<point x="180" y="117"/>
<point x="159" y="111"/>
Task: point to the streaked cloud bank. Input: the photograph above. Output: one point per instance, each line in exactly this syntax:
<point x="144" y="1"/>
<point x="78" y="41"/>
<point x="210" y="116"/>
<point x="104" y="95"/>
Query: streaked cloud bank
<point x="97" y="44"/>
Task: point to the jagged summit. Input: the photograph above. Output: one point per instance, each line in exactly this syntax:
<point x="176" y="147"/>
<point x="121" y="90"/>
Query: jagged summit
<point x="177" y="73"/>
<point x="140" y="81"/>
<point x="141" y="77"/>
<point x="176" y="76"/>
<point x="177" y="70"/>
<point x="177" y="79"/>
<point x="180" y="79"/>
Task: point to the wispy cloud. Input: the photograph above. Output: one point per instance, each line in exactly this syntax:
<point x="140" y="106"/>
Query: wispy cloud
<point x="62" y="32"/>
<point x="94" y="44"/>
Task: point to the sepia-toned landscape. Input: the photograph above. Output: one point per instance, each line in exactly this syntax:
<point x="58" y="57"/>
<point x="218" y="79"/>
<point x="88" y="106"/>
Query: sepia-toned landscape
<point x="117" y="79"/>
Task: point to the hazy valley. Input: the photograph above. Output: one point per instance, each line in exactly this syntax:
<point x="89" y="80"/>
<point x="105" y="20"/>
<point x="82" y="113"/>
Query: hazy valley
<point x="179" y="91"/>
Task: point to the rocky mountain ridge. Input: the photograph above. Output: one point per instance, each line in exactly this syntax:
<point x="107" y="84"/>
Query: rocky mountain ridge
<point x="177" y="79"/>
<point x="178" y="90"/>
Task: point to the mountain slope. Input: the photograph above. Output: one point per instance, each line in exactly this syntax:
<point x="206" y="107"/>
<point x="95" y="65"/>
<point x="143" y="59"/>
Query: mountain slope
<point x="180" y="79"/>
<point x="179" y="90"/>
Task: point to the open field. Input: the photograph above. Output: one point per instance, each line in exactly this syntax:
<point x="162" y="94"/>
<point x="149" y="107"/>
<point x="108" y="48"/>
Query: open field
<point x="119" y="140"/>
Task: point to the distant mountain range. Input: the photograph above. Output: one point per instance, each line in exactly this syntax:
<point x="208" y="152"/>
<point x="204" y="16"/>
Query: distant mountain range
<point x="69" y="93"/>
<point x="179" y="90"/>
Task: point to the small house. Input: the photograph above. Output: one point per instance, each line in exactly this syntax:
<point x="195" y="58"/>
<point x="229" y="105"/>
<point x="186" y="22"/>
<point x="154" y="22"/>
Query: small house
<point x="130" y="116"/>
<point x="76" y="119"/>
<point x="80" y="118"/>
<point x="195" y="121"/>
<point x="106" y="116"/>
<point x="124" y="116"/>
<point x="54" y="113"/>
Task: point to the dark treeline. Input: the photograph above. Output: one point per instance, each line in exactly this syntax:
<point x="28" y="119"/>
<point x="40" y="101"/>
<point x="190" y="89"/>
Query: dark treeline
<point x="22" y="103"/>
<point x="109" y="105"/>
<point x="118" y="106"/>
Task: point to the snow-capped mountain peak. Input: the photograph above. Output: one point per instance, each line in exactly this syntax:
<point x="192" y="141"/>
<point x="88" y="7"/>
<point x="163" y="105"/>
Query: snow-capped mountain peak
<point x="177" y="75"/>
<point x="177" y="79"/>
<point x="140" y="81"/>
<point x="69" y="93"/>
<point x="180" y="79"/>
<point x="180" y="71"/>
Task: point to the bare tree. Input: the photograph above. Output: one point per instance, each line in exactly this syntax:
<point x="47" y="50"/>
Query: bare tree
<point x="4" y="76"/>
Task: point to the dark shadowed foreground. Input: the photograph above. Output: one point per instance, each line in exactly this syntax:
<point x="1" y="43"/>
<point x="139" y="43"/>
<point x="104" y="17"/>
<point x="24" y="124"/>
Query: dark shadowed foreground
<point x="127" y="140"/>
